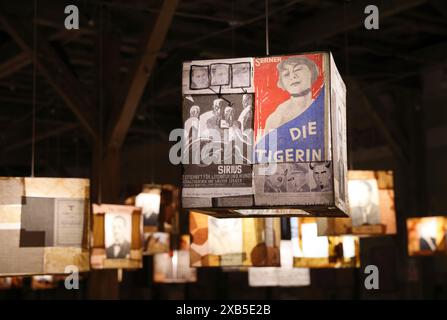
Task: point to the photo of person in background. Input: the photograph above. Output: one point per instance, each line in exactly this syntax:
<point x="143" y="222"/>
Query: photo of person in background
<point x="364" y="202"/>
<point x="427" y="235"/>
<point x="199" y="77"/>
<point x="118" y="235"/>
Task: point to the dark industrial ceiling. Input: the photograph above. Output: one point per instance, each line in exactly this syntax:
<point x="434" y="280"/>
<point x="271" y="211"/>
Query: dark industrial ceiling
<point x="82" y="77"/>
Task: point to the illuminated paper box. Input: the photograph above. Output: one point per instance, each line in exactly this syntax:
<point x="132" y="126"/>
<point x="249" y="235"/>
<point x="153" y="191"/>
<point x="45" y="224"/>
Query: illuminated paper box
<point x="159" y="204"/>
<point x="371" y="199"/>
<point x="44" y="225"/>
<point x="427" y="236"/>
<point x="117" y="237"/>
<point x="312" y="251"/>
<point x="277" y="143"/>
<point x="174" y="266"/>
<point x="234" y="242"/>
<point x="284" y="276"/>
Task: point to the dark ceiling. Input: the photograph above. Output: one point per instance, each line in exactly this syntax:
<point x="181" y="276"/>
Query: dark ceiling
<point x="83" y="74"/>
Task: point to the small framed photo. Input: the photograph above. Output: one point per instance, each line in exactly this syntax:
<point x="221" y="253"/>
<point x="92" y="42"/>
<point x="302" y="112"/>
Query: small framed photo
<point x="240" y="75"/>
<point x="199" y="77"/>
<point x="118" y="235"/>
<point x="220" y="74"/>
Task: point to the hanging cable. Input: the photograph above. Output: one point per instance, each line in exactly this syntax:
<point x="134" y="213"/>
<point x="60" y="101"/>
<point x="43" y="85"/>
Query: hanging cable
<point x="267" y="49"/>
<point x="33" y="139"/>
<point x="101" y="83"/>
<point x="347" y="73"/>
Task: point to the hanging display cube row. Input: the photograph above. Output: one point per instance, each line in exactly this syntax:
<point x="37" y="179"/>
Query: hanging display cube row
<point x="263" y="134"/>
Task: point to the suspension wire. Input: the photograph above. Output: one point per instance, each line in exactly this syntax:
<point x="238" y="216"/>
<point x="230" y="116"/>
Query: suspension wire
<point x="101" y="104"/>
<point x="33" y="139"/>
<point x="267" y="48"/>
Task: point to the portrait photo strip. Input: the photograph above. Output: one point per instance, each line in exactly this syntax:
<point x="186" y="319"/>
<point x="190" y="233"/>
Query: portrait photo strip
<point x="299" y="177"/>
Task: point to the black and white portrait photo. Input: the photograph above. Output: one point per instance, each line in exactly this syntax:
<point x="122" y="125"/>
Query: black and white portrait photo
<point x="288" y="177"/>
<point x="220" y="74"/>
<point x="364" y="202"/>
<point x="240" y="75"/>
<point x="275" y="182"/>
<point x="199" y="77"/>
<point x="297" y="178"/>
<point x="322" y="175"/>
<point x="118" y="232"/>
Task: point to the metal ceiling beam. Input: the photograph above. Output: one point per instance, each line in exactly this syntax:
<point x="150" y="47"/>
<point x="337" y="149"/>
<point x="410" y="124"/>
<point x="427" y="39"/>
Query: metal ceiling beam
<point x="138" y="78"/>
<point x="56" y="72"/>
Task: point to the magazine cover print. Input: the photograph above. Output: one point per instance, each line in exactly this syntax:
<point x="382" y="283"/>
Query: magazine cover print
<point x="290" y="109"/>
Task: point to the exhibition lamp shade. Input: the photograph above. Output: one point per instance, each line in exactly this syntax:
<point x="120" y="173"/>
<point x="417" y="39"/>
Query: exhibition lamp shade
<point x="258" y="143"/>
<point x="313" y="251"/>
<point x="284" y="276"/>
<point x="174" y="266"/>
<point x="427" y="236"/>
<point x="44" y="224"/>
<point x="371" y="203"/>
<point x="234" y="242"/>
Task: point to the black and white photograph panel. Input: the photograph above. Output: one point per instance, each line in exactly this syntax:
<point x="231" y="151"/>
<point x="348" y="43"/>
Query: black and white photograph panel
<point x="297" y="177"/>
<point x="364" y="202"/>
<point x="275" y="178"/>
<point x="199" y="77"/>
<point x="240" y="75"/>
<point x="220" y="74"/>
<point x="118" y="235"/>
<point x="287" y="177"/>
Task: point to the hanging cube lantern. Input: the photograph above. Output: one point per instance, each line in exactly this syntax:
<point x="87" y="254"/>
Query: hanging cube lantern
<point x="427" y="236"/>
<point x="174" y="266"/>
<point x="233" y="242"/>
<point x="149" y="201"/>
<point x="284" y="276"/>
<point x="44" y="225"/>
<point x="159" y="205"/>
<point x="117" y="237"/>
<point x="372" y="209"/>
<point x="264" y="136"/>
<point x="313" y="251"/>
